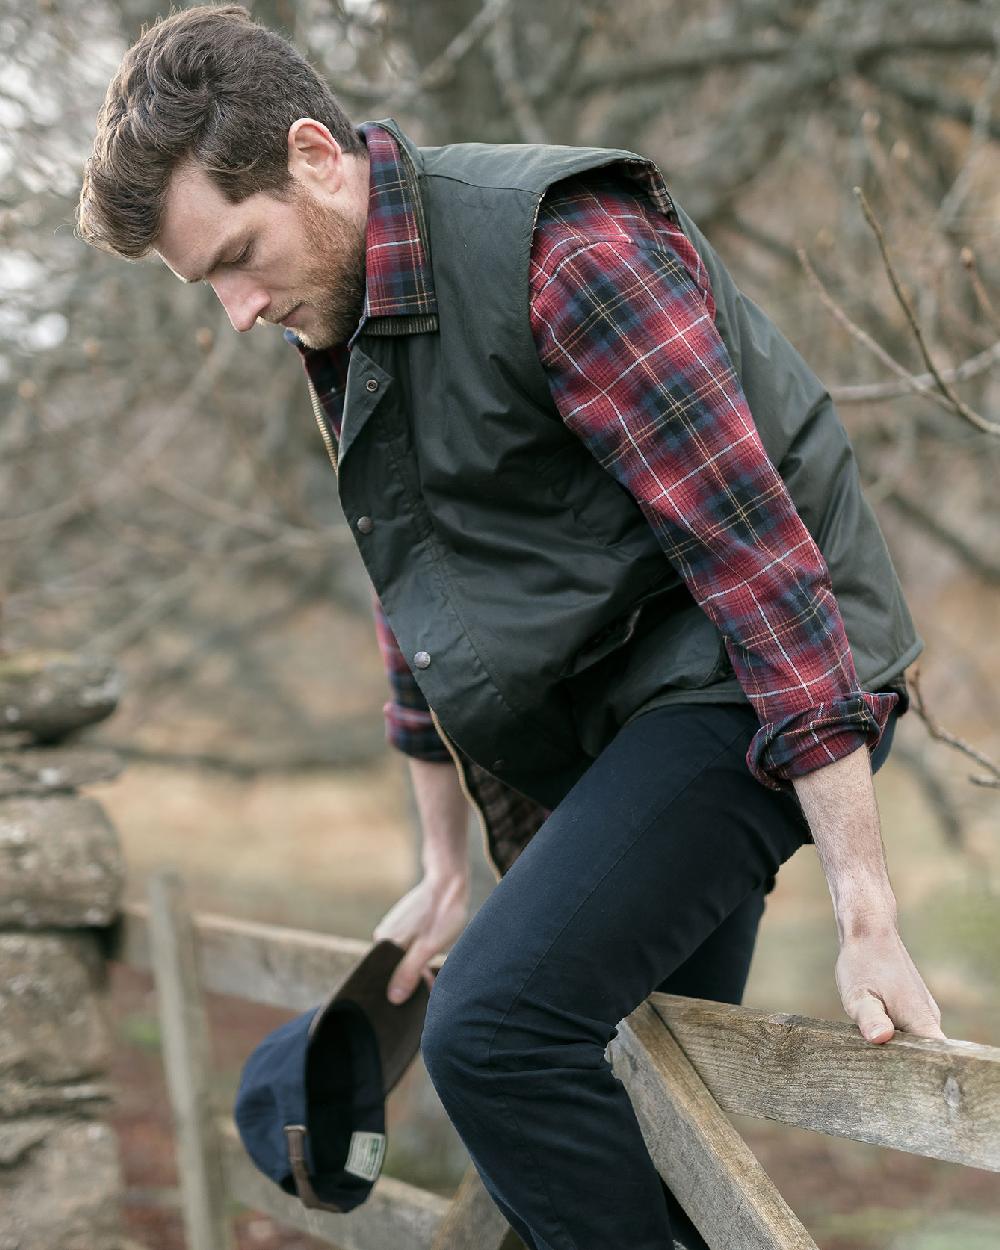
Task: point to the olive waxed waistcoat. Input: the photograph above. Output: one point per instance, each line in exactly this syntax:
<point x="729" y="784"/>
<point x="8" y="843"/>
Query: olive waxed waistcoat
<point x="525" y="587"/>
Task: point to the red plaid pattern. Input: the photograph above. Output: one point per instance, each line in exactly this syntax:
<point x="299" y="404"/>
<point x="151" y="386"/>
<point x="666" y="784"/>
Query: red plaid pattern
<point x="623" y="319"/>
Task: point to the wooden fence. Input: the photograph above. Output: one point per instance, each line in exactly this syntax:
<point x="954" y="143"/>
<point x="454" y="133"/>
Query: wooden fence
<point x="684" y="1061"/>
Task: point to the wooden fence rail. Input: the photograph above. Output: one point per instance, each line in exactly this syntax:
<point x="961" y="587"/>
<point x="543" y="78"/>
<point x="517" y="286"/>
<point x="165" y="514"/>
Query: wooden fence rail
<point x="685" y="1063"/>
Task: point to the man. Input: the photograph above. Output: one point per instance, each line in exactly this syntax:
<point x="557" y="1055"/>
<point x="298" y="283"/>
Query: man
<point x="588" y="479"/>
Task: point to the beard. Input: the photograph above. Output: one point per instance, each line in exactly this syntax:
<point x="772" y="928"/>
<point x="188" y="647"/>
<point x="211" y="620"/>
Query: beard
<point x="333" y="289"/>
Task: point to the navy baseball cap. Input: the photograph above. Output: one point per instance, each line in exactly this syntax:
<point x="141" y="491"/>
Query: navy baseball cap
<point x="310" y="1108"/>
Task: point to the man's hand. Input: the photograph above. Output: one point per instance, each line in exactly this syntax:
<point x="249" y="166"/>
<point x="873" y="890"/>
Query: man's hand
<point x="880" y="988"/>
<point x="426" y="921"/>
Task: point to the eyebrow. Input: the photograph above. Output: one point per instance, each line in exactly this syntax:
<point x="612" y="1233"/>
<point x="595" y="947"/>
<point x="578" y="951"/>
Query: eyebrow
<point x="216" y="260"/>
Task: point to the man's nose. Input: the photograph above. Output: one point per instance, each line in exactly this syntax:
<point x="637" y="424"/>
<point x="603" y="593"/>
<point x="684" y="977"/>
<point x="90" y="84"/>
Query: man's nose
<point x="244" y="302"/>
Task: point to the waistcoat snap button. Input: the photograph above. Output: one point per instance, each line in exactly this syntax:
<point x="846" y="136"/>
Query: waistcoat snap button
<point x="371" y="385"/>
<point x="422" y="659"/>
<point x="365" y="524"/>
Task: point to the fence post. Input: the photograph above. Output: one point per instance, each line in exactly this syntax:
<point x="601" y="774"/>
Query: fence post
<point x="707" y="1164"/>
<point x="184" y="1033"/>
<point x="473" y="1221"/>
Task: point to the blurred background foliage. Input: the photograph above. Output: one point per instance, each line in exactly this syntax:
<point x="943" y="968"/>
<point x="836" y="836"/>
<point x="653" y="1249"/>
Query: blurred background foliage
<point x="165" y="497"/>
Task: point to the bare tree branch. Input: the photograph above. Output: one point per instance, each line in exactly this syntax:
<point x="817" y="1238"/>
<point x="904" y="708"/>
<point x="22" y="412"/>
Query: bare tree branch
<point x="932" y="98"/>
<point x="434" y="76"/>
<point x="982" y="116"/>
<point x="162" y="601"/>
<point x="839" y="52"/>
<point x="231" y="516"/>
<point x="935" y="792"/>
<point x="856" y="332"/>
<point x="878" y="392"/>
<point x="931" y="524"/>
<point x="956" y="404"/>
<point x="917" y="384"/>
<point x="992" y="779"/>
<point x="968" y="258"/>
<point x="122" y="476"/>
<point x="500" y="44"/>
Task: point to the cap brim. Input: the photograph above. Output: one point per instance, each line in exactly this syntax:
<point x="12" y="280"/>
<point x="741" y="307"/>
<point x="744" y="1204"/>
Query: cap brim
<point x="397" y="1027"/>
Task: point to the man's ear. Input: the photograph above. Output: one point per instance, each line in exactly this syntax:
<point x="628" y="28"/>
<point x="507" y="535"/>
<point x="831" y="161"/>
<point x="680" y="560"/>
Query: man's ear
<point x="314" y="155"/>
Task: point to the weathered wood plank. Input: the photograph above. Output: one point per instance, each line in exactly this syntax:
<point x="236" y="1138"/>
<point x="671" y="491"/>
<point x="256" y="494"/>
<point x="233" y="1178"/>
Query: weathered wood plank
<point x="709" y="1167"/>
<point x="473" y="1221"/>
<point x="289" y="968"/>
<point x="396" y="1216"/>
<point x="186" y="1062"/>
<point x="940" y="1099"/>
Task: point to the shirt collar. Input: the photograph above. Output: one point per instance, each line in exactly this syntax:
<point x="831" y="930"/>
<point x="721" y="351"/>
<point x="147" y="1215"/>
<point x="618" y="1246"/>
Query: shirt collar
<point x="398" y="279"/>
<point x="397" y="272"/>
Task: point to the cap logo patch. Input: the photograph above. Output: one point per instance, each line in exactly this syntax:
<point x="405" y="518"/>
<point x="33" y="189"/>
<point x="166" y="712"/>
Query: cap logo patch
<point x="364" y="1158"/>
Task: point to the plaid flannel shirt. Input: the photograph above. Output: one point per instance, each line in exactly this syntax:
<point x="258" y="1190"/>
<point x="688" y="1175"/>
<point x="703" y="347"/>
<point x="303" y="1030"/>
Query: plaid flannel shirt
<point x="623" y="319"/>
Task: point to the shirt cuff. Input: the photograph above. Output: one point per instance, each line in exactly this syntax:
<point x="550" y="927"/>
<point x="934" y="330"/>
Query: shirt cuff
<point x="412" y="731"/>
<point x="808" y="740"/>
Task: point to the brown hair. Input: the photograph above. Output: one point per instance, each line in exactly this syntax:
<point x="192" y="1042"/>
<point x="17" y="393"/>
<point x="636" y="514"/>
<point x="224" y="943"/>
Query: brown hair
<point x="208" y="85"/>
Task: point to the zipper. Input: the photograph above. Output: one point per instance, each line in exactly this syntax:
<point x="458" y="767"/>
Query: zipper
<point x="317" y="408"/>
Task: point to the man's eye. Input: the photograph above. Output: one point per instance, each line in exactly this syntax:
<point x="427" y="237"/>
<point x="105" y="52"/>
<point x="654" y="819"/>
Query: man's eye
<point x="244" y="256"/>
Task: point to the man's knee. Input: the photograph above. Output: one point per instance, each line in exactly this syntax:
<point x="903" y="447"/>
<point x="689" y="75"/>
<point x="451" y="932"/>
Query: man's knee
<point x="437" y="1039"/>
<point x="455" y="1041"/>
<point x="473" y="1041"/>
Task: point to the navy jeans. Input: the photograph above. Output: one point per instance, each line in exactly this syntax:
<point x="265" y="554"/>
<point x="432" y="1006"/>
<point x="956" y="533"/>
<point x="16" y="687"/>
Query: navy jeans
<point x="649" y="874"/>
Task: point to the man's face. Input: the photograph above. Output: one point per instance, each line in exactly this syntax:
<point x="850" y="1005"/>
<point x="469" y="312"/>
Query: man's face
<point x="298" y="262"/>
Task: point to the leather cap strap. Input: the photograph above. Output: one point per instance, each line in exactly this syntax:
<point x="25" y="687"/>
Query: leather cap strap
<point x="296" y="1136"/>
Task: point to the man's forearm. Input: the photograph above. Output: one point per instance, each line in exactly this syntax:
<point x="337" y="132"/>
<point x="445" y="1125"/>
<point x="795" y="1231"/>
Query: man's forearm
<point x="444" y="818"/>
<point x="879" y="984"/>
<point x="839" y="804"/>
<point x="428" y="918"/>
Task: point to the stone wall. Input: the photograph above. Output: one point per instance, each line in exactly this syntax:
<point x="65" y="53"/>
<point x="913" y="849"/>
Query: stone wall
<point x="60" y="881"/>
